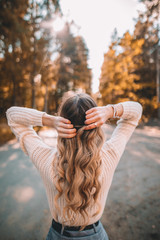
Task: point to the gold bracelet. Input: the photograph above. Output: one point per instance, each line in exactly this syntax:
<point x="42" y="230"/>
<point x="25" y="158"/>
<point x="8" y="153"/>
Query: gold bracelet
<point x="115" y="111"/>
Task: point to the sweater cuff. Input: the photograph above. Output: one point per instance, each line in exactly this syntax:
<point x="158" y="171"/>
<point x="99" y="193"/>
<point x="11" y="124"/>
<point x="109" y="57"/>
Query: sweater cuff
<point x="126" y="110"/>
<point x="38" y="118"/>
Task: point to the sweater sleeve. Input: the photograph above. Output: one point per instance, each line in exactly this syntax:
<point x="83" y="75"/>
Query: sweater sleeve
<point x="21" y="121"/>
<point x="132" y="112"/>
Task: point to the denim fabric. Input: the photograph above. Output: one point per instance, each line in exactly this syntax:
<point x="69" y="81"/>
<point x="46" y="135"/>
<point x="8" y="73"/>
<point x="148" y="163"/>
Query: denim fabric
<point x="92" y="234"/>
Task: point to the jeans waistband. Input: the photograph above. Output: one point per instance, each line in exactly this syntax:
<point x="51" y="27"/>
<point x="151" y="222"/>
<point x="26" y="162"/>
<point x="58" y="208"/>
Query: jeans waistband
<point x="59" y="228"/>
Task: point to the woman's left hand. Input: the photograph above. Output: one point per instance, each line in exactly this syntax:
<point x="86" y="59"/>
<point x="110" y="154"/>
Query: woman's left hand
<point x="62" y="125"/>
<point x="97" y="116"/>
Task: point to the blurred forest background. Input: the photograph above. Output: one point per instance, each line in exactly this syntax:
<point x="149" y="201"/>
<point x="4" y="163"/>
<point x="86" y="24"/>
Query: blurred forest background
<point x="38" y="63"/>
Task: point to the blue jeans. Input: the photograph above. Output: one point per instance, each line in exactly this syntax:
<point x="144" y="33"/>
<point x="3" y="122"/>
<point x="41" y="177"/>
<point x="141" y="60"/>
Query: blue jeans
<point x="97" y="233"/>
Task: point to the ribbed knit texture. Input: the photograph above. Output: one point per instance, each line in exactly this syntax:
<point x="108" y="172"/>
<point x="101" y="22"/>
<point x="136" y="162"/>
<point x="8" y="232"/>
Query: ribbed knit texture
<point x="21" y="120"/>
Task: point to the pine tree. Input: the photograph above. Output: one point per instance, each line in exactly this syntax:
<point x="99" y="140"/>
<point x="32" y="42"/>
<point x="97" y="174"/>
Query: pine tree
<point x="13" y="31"/>
<point x="146" y="27"/>
<point x="82" y="70"/>
<point x="23" y="45"/>
<point x="73" y="72"/>
<point x="129" y="68"/>
<point x="118" y="80"/>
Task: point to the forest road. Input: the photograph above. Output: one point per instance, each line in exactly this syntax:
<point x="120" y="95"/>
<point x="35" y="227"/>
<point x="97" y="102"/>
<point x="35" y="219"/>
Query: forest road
<point x="132" y="209"/>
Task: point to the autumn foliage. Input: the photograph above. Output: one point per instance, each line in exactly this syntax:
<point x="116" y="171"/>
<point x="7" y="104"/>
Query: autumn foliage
<point x="130" y="64"/>
<point x="38" y="64"/>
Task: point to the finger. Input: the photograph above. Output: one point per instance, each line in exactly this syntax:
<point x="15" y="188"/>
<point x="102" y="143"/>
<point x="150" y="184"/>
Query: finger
<point x="90" y="115"/>
<point x="66" y="131"/>
<point x="92" y="120"/>
<point x="90" y="110"/>
<point x="63" y="135"/>
<point x="64" y="120"/>
<point x="64" y="125"/>
<point x="91" y="126"/>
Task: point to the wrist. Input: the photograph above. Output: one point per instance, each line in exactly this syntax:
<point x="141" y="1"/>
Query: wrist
<point x="110" y="110"/>
<point x="48" y="120"/>
<point x="116" y="111"/>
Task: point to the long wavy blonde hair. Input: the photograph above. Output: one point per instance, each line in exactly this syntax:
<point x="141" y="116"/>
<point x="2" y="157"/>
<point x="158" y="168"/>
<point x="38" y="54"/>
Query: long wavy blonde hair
<point x="79" y="161"/>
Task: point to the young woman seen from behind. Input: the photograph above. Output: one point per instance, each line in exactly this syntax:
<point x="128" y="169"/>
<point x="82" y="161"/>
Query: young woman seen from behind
<point x="78" y="173"/>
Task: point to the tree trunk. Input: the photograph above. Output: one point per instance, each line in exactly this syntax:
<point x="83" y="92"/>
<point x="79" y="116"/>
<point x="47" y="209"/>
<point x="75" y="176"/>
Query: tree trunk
<point x="46" y="100"/>
<point x="158" y="70"/>
<point x="33" y="16"/>
<point x="14" y="91"/>
<point x="13" y="76"/>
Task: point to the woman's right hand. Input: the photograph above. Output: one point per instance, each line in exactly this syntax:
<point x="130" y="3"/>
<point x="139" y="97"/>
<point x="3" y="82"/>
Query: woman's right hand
<point x="97" y="116"/>
<point x="62" y="125"/>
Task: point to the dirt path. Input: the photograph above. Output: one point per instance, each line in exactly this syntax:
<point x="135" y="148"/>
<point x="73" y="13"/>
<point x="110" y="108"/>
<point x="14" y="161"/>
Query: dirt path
<point x="132" y="210"/>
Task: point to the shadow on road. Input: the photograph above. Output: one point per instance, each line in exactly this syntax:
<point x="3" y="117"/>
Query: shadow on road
<point x="132" y="208"/>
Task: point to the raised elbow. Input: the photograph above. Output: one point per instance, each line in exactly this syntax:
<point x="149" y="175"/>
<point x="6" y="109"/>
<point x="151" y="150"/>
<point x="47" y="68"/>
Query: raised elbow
<point x="9" y="113"/>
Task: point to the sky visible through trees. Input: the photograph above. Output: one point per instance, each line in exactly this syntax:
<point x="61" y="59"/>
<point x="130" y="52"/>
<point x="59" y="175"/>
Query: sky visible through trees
<point x="41" y="58"/>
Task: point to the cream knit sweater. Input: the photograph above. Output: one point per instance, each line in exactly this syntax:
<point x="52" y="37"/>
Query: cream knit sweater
<point x="21" y="121"/>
